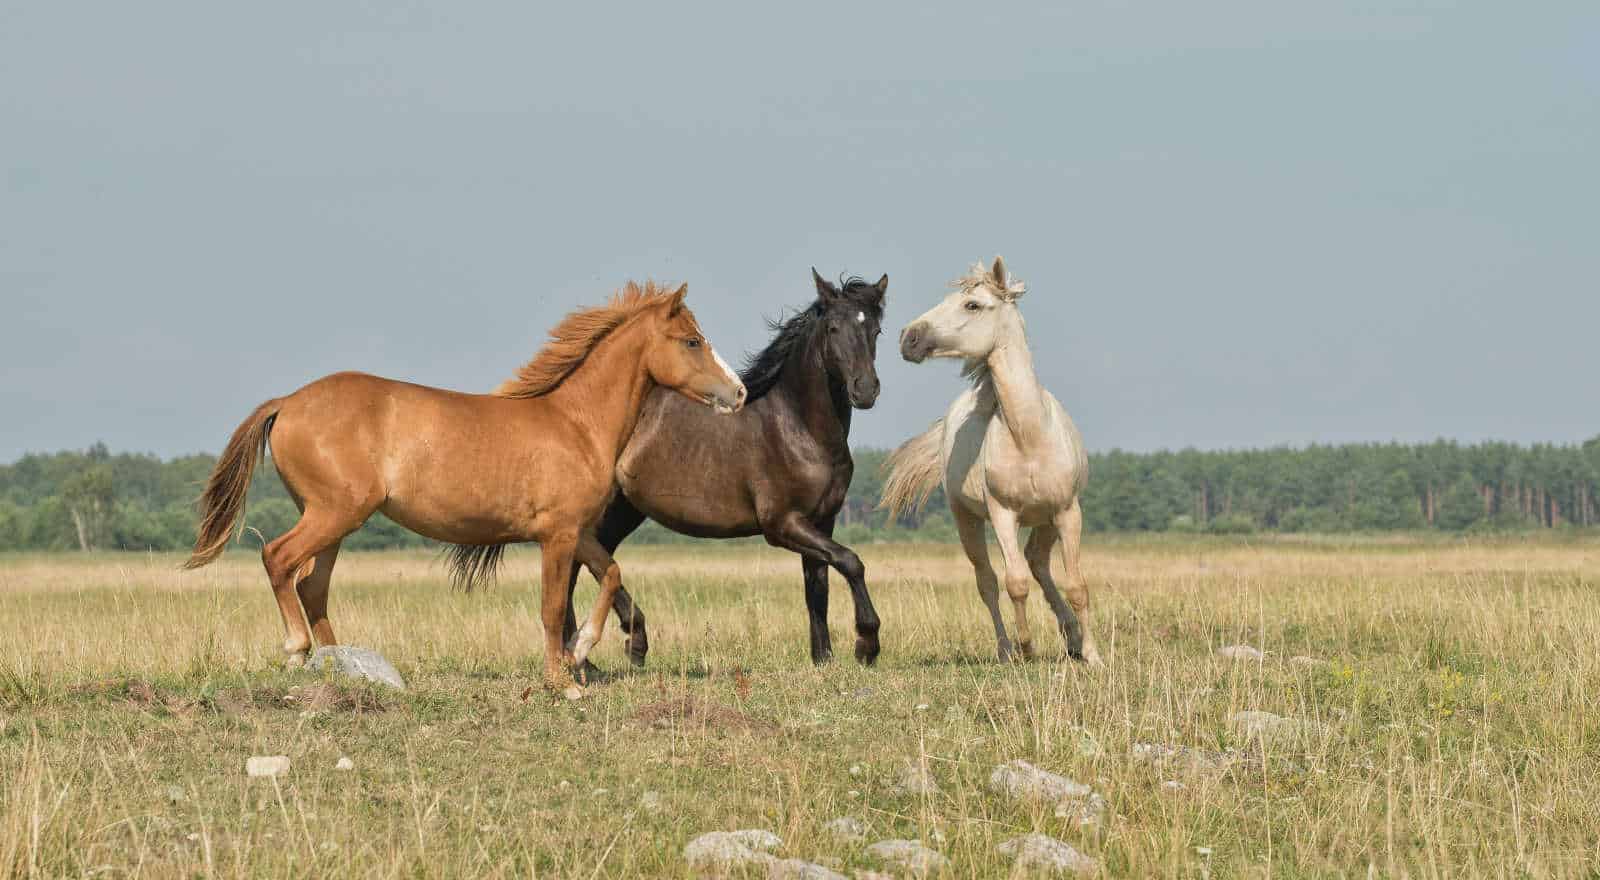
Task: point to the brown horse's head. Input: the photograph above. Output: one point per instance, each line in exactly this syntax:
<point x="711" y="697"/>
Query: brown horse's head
<point x="681" y="358"/>
<point x="850" y="315"/>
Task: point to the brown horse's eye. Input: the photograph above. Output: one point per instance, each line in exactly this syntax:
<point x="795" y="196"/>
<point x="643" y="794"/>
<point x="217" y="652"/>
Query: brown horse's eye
<point x="691" y="342"/>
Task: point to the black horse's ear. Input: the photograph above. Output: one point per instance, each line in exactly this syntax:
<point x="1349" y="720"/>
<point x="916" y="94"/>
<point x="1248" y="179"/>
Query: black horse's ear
<point x="883" y="286"/>
<point x="825" y="288"/>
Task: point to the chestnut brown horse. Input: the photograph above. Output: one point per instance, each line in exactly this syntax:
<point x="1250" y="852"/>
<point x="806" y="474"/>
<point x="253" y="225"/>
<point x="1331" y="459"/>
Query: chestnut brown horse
<point x="779" y="469"/>
<point x="533" y="461"/>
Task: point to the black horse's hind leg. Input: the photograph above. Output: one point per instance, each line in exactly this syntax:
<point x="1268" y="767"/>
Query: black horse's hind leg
<point x="795" y="532"/>
<point x="616" y="524"/>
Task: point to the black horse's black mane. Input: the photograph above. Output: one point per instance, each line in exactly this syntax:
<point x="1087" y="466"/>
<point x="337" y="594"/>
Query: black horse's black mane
<point x="763" y="369"/>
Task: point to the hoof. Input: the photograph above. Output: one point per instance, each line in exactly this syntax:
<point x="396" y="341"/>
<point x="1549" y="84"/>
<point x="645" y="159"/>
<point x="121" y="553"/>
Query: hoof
<point x="572" y="692"/>
<point x="295" y="660"/>
<point x="867" y="651"/>
<point x="638" y="647"/>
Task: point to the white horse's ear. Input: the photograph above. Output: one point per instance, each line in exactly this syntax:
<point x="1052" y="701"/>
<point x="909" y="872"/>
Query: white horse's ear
<point x="1010" y="289"/>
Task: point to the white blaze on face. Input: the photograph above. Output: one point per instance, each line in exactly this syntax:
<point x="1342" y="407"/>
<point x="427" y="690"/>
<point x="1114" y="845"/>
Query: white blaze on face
<point x="861" y="317"/>
<point x="728" y="374"/>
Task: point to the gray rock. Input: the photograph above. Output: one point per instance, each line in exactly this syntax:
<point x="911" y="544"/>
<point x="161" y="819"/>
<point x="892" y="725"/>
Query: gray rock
<point x="1240" y="652"/>
<point x="1039" y="852"/>
<point x="909" y="854"/>
<point x="362" y="663"/>
<point x="345" y="764"/>
<point x="1274" y="728"/>
<point x="266" y="765"/>
<point x="847" y="828"/>
<point x="914" y="779"/>
<point x="1022" y="780"/>
<point x="796" y="869"/>
<point x="726" y="848"/>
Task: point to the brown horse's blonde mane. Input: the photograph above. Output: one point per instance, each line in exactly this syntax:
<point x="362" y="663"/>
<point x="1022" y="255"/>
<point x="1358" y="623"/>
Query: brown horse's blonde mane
<point x="577" y="335"/>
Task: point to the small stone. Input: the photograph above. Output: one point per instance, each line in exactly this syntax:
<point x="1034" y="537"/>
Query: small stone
<point x="1172" y="785"/>
<point x="873" y="875"/>
<point x="564" y="784"/>
<point x="1240" y="652"/>
<point x="269" y="765"/>
<point x="1265" y="725"/>
<point x="864" y="693"/>
<point x="909" y="854"/>
<point x="922" y="707"/>
<point x="599" y="792"/>
<point x="345" y="764"/>
<point x="1019" y="779"/>
<point x="847" y="828"/>
<point x="1039" y="852"/>
<point x="362" y="663"/>
<point x="1195" y="759"/>
<point x="853" y="793"/>
<point x="855" y="770"/>
<point x="1083" y="811"/>
<point x="175" y="794"/>
<point x="914" y="779"/>
<point x="651" y="801"/>
<point x="796" y="869"/>
<point x="730" y="847"/>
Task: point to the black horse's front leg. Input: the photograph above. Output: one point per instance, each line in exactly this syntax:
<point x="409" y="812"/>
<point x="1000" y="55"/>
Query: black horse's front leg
<point x="619" y="521"/>
<point x="816" y="578"/>
<point x="795" y="532"/>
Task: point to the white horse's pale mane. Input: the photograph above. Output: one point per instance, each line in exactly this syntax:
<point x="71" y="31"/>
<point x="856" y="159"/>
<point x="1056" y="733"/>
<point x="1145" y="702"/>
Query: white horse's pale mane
<point x="979" y="276"/>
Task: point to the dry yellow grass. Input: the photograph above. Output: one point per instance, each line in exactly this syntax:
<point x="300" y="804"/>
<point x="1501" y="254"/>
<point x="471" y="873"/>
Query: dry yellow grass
<point x="1458" y="701"/>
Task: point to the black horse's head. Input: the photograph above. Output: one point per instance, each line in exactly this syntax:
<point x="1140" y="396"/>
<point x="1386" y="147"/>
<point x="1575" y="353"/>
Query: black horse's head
<point x="848" y="315"/>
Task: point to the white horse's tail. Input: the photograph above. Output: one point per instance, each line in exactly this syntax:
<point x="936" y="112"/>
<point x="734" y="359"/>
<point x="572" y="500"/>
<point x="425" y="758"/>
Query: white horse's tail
<point x="913" y="471"/>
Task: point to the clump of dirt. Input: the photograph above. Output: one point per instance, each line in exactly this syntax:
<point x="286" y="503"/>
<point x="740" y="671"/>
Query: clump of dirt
<point x="321" y="697"/>
<point x="134" y="693"/>
<point x="691" y="712"/>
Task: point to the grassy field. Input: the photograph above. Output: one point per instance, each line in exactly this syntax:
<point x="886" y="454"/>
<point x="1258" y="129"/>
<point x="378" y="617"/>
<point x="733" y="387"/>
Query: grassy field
<point x="1456" y="695"/>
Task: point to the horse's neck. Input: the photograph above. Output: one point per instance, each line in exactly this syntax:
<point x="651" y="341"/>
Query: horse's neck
<point x="822" y="403"/>
<point x="608" y="389"/>
<point x="1016" y="388"/>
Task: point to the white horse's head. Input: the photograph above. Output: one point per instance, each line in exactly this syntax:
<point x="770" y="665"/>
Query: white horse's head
<point x="980" y="315"/>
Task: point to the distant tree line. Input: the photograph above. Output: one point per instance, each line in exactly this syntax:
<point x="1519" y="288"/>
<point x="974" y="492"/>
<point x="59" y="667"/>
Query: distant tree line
<point x="96" y="500"/>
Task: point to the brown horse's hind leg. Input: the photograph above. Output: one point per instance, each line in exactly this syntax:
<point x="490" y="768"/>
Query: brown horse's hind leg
<point x="313" y="590"/>
<point x="291" y="557"/>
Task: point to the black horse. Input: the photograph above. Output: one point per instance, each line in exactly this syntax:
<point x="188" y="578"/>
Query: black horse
<point x="778" y="468"/>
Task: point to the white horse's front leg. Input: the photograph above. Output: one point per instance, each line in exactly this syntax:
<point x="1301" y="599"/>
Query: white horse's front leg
<point x="970" y="528"/>
<point x="1018" y="577"/>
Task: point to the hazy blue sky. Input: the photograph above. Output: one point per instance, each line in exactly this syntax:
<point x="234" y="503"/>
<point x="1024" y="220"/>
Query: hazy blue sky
<point x="1241" y="223"/>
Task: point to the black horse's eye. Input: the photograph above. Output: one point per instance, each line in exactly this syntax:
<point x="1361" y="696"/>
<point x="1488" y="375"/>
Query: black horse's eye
<point x="692" y="342"/>
<point x="972" y="305"/>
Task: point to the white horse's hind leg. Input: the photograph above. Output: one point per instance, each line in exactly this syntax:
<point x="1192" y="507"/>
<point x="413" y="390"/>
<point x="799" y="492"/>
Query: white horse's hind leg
<point x="1018" y="581"/>
<point x="1069" y="523"/>
<point x="1040" y="545"/>
<point x="970" y="528"/>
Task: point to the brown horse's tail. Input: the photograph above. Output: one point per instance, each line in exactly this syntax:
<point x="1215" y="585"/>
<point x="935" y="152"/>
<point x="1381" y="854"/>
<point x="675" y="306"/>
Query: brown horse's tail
<point x="222" y="503"/>
<point x="914" y="471"/>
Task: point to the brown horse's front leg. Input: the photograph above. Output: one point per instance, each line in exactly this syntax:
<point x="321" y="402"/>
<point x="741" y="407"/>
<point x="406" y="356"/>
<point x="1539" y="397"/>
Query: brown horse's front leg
<point x="557" y="552"/>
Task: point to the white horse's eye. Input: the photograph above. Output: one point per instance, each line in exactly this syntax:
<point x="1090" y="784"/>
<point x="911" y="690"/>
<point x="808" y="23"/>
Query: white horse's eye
<point x="861" y="317"/>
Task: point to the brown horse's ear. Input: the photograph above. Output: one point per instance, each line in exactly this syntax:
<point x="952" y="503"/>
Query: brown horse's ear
<point x="675" y="299"/>
<point x="825" y="288"/>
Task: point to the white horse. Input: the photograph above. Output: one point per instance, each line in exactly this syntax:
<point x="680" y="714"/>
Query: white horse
<point x="1006" y="452"/>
